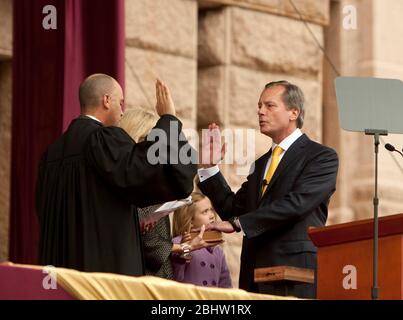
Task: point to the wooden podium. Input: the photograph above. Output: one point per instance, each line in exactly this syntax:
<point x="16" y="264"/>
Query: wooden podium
<point x="345" y="253"/>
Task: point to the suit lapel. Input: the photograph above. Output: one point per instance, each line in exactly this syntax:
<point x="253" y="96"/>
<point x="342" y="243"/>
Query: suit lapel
<point x="291" y="155"/>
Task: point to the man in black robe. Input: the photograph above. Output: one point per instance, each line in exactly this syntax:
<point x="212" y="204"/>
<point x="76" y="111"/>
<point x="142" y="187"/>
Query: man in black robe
<point x="93" y="177"/>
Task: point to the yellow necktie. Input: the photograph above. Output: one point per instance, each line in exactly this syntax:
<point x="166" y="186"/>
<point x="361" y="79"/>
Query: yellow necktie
<point x="275" y="159"/>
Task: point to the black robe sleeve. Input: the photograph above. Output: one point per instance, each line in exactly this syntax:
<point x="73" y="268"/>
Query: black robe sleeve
<point x="124" y="164"/>
<point x="39" y="189"/>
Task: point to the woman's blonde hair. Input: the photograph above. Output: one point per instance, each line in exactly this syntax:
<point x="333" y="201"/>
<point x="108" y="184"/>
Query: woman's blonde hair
<point x="182" y="218"/>
<point x="138" y="122"/>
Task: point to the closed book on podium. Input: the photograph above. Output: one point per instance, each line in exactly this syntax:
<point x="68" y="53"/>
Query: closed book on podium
<point x="209" y="236"/>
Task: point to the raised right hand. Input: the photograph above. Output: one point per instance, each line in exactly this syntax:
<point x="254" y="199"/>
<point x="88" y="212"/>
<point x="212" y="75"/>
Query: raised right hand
<point x="164" y="105"/>
<point x="212" y="150"/>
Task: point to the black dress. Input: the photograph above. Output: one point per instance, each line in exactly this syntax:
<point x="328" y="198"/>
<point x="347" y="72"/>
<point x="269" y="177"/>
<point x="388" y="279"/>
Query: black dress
<point x="89" y="184"/>
<point x="157" y="246"/>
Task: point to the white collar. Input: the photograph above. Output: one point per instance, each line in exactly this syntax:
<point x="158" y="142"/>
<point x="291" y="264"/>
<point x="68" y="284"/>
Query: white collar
<point x="287" y="142"/>
<point x="92" y="117"/>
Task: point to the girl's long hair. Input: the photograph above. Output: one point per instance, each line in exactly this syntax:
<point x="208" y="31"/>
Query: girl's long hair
<point x="182" y="219"/>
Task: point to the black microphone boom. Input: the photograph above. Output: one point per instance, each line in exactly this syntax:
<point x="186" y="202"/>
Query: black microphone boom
<point x="391" y="148"/>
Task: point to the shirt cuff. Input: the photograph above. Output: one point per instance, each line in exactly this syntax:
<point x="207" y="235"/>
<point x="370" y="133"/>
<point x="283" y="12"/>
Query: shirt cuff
<point x="205" y="173"/>
<point x="240" y="225"/>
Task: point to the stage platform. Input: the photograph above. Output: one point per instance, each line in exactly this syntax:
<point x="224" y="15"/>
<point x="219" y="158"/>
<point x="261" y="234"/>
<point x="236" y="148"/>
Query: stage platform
<point x="30" y="282"/>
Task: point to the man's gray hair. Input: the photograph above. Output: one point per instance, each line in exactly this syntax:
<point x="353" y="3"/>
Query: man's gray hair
<point x="293" y="98"/>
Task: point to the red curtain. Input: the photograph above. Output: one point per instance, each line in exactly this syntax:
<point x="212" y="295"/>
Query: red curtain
<point x="94" y="42"/>
<point x="48" y="66"/>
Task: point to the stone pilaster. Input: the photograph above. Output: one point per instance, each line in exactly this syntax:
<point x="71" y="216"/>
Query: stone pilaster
<point x="161" y="41"/>
<point x="5" y="159"/>
<point x="6" y="35"/>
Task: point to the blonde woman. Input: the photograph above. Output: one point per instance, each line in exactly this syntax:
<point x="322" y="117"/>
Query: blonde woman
<point x="207" y="266"/>
<point x="138" y="122"/>
<point x="157" y="244"/>
<point x="157" y="241"/>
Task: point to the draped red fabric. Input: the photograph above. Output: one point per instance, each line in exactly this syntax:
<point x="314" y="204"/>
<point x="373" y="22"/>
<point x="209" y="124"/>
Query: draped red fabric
<point x="48" y="66"/>
<point x="94" y="43"/>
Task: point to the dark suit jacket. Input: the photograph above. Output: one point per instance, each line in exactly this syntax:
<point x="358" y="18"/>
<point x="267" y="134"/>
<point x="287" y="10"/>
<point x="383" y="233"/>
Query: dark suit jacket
<point x="275" y="224"/>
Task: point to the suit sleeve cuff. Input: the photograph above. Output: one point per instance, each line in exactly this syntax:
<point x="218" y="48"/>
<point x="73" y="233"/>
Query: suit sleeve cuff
<point x="205" y="173"/>
<point x="240" y="225"/>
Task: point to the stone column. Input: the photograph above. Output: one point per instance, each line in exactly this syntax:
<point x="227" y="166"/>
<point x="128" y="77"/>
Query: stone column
<point x="345" y="48"/>
<point x="5" y="123"/>
<point x="5" y="147"/>
<point x="369" y="50"/>
<point x="387" y="62"/>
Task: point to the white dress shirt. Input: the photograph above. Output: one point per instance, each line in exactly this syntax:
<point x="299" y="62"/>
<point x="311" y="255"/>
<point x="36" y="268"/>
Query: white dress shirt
<point x="92" y="117"/>
<point x="205" y="173"/>
<point x="285" y="145"/>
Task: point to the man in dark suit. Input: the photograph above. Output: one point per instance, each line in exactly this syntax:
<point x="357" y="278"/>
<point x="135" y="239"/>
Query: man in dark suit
<point x="287" y="192"/>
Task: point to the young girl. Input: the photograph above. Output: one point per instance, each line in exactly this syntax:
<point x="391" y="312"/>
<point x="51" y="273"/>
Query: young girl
<point x="207" y="266"/>
<point x="157" y="241"/>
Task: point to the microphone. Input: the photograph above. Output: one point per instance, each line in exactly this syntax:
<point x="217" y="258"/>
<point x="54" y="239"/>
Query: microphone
<point x="391" y="148"/>
<point x="264" y="184"/>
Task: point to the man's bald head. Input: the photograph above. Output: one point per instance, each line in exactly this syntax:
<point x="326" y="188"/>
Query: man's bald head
<point x="93" y="89"/>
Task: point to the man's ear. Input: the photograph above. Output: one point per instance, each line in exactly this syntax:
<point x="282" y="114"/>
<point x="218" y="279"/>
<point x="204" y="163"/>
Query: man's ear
<point x="106" y="101"/>
<point x="294" y="114"/>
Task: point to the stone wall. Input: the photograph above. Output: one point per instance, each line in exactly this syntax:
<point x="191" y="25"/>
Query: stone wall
<point x="5" y="151"/>
<point x="369" y="50"/>
<point x="316" y="11"/>
<point x="161" y="41"/>
<point x="387" y="62"/>
<point x="6" y="29"/>
<point x="5" y="122"/>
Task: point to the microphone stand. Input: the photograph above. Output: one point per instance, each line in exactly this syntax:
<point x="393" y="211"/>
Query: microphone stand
<point x="391" y="148"/>
<point x="375" y="289"/>
<point x="399" y="152"/>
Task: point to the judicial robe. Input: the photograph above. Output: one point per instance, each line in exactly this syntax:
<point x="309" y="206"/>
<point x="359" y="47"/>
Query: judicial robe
<point x="90" y="182"/>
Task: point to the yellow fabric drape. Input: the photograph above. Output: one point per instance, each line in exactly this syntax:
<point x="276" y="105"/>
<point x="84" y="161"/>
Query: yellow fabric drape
<point x="107" y="286"/>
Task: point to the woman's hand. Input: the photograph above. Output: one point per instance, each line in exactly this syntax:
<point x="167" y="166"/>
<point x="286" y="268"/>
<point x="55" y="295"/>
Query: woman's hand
<point x="198" y="242"/>
<point x="186" y="237"/>
<point x="146" y="226"/>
